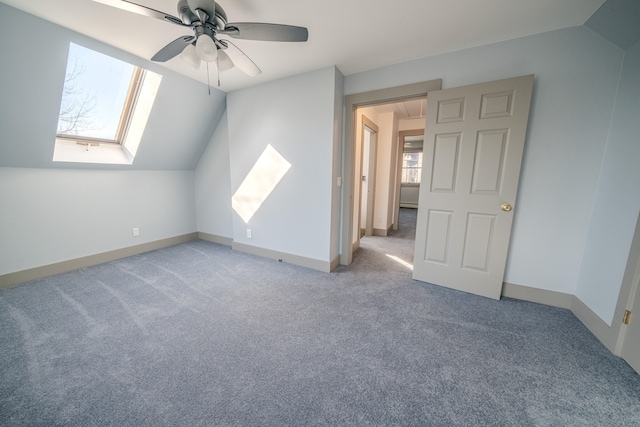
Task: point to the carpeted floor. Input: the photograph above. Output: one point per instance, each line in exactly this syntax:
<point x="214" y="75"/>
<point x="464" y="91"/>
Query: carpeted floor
<point x="197" y="334"/>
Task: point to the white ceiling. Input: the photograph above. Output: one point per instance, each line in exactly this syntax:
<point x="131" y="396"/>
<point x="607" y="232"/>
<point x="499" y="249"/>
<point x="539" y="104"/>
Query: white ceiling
<point x="355" y="35"/>
<point x="404" y="110"/>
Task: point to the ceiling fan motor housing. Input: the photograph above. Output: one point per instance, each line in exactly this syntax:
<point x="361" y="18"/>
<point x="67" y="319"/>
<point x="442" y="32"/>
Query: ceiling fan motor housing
<point x="185" y="13"/>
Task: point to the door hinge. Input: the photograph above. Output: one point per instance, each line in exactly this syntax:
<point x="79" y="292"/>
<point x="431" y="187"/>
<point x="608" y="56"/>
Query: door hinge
<point x="626" y="318"/>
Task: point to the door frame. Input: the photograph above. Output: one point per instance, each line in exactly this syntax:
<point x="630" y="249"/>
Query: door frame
<point x="371" y="175"/>
<point x="352" y="102"/>
<point x="629" y="291"/>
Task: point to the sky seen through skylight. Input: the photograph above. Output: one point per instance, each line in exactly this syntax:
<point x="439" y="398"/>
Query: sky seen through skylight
<point x="95" y="92"/>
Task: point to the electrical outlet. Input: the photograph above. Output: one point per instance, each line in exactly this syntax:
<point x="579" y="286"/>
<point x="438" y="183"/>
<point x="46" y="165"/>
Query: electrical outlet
<point x="136" y="232"/>
<point x="248" y="233"/>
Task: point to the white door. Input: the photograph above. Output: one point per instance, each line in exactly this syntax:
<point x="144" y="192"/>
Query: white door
<point x="368" y="179"/>
<point x="473" y="144"/>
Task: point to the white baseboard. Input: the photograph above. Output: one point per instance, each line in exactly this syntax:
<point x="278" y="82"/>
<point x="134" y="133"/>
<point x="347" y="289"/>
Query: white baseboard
<point x="227" y="241"/>
<point x="608" y="335"/>
<point x="381" y="232"/>
<point x="540" y="296"/>
<point x="324" y="266"/>
<point x="17" y="277"/>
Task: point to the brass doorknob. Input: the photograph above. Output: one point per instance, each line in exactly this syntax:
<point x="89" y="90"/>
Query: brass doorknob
<point x="506" y="207"/>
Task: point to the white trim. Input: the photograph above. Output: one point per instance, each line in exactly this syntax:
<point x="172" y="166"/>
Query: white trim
<point x="608" y="335"/>
<point x="353" y="101"/>
<point x="67" y="150"/>
<point x="227" y="241"/>
<point x="595" y="324"/>
<point x="314" y="264"/>
<point x="628" y="288"/>
<point x="540" y="296"/>
<point x="381" y="232"/>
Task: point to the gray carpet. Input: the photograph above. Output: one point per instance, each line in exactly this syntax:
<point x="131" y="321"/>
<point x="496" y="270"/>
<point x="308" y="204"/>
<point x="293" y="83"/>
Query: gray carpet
<point x="197" y="334"/>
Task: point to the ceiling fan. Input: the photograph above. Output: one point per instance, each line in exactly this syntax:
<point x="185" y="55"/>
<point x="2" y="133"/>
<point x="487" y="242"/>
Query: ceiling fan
<point x="208" y="21"/>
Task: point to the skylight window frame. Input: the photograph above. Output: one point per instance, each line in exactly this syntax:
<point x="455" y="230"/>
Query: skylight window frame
<point x="136" y="97"/>
<point x="133" y="93"/>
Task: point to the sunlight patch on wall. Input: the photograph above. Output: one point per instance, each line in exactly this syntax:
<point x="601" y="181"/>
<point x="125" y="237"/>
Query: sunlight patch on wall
<point x="261" y="180"/>
<point x="401" y="261"/>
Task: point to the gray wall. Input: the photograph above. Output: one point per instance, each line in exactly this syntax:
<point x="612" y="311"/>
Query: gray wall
<point x="52" y="212"/>
<point x="213" y="185"/>
<point x="55" y="215"/>
<point x="577" y="75"/>
<point x="296" y="115"/>
<point x="617" y="201"/>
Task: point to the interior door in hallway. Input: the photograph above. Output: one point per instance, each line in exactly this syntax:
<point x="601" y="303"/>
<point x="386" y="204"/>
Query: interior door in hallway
<point x="368" y="188"/>
<point x="473" y="144"/>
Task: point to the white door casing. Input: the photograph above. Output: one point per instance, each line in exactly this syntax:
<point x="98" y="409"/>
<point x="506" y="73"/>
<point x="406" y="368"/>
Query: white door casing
<point x="473" y="145"/>
<point x="631" y="332"/>
<point x="366" y="186"/>
<point x="352" y="102"/>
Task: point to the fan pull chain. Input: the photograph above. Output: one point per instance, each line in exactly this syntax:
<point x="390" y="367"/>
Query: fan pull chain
<point x="208" y="82"/>
<point x="218" y="67"/>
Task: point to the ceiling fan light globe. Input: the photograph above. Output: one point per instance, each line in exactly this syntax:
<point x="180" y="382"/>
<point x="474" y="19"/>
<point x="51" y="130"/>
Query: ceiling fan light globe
<point x="191" y="57"/>
<point x="206" y="48"/>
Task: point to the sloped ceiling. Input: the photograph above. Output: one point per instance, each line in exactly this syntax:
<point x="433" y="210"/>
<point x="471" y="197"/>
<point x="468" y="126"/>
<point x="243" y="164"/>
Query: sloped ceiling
<point x="182" y="120"/>
<point x="355" y="35"/>
<point x="617" y="21"/>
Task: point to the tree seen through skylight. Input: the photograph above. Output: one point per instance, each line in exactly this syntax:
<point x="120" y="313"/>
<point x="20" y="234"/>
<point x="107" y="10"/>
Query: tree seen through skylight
<point x="94" y="94"/>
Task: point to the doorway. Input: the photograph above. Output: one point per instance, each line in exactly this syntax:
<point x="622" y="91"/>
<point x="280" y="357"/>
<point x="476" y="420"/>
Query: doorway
<point x="350" y="196"/>
<point x="379" y="167"/>
<point x="478" y="165"/>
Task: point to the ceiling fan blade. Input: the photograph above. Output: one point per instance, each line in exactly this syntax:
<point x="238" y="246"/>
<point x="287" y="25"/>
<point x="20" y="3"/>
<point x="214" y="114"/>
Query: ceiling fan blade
<point x="224" y="62"/>
<point x="173" y="49"/>
<point x="220" y="12"/>
<point x="240" y="59"/>
<point x="266" y="32"/>
<point x="142" y="10"/>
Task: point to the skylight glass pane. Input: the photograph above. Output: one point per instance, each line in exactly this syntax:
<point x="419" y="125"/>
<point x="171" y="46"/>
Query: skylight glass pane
<point x="95" y="91"/>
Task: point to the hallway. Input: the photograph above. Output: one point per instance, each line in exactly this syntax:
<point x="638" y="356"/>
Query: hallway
<point x="398" y="246"/>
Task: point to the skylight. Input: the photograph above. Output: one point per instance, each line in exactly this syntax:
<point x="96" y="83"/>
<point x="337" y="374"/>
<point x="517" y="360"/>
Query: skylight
<point x="104" y="108"/>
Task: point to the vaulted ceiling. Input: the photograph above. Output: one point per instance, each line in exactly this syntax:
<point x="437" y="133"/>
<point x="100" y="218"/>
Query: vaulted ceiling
<point x="355" y="35"/>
